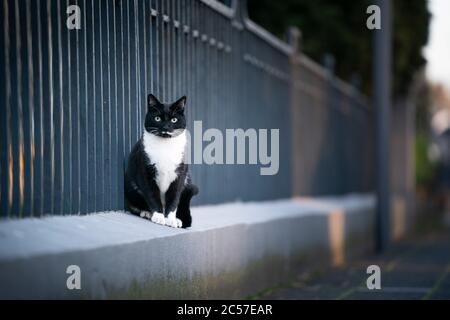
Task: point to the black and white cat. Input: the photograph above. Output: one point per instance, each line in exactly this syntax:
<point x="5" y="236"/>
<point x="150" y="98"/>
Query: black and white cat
<point x="157" y="182"/>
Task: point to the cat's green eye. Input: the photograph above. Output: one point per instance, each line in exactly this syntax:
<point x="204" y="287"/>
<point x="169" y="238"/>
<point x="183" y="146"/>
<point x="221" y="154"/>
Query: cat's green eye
<point x="157" y="119"/>
<point x="174" y="120"/>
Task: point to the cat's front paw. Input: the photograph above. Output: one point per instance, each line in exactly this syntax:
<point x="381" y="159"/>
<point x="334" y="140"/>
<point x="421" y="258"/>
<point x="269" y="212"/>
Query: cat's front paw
<point x="158" y="218"/>
<point x="172" y="221"/>
<point x="146" y="214"/>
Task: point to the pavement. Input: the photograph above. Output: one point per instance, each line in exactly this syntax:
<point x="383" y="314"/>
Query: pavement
<point x="417" y="268"/>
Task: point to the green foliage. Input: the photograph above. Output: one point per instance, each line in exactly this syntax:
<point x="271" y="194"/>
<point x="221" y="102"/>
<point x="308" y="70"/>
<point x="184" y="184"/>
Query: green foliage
<point x="339" y="27"/>
<point x="425" y="169"/>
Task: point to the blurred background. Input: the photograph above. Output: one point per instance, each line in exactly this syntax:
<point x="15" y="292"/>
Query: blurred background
<point x="420" y="74"/>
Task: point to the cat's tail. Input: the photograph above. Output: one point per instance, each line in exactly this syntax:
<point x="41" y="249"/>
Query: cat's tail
<point x="183" y="210"/>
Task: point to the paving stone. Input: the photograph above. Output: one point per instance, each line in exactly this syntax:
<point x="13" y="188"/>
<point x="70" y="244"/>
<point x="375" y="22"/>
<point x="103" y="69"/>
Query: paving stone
<point x="414" y="269"/>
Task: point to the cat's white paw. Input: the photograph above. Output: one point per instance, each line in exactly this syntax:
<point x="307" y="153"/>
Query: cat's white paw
<point x="158" y="218"/>
<point x="172" y="220"/>
<point x="146" y="214"/>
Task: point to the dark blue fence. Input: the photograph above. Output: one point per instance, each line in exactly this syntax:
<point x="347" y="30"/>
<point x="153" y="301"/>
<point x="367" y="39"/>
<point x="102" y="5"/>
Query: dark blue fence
<point x="332" y="131"/>
<point x="73" y="102"/>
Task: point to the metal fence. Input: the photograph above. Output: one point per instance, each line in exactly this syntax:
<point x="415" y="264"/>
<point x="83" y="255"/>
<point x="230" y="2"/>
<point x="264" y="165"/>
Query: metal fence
<point x="332" y="131"/>
<point x="73" y="102"/>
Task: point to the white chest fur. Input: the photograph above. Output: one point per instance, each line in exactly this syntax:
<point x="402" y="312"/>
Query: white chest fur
<point x="165" y="154"/>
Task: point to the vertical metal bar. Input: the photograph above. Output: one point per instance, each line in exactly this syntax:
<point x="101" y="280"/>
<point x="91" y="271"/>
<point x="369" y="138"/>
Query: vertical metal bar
<point x="27" y="121"/>
<point x="120" y="89"/>
<point x="169" y="52"/>
<point x="137" y="75"/>
<point x="162" y="57"/>
<point x="157" y="50"/>
<point x="100" y="146"/>
<point x="170" y="66"/>
<point x="51" y="115"/>
<point x="108" y="134"/>
<point x="74" y="58"/>
<point x="128" y="110"/>
<point x="200" y="71"/>
<point x="176" y="66"/>
<point x="6" y="177"/>
<point x="183" y="23"/>
<point x="62" y="107"/>
<point x="179" y="62"/>
<point x="173" y="65"/>
<point x="116" y="169"/>
<point x="46" y="121"/>
<point x="235" y="61"/>
<point x="105" y="105"/>
<point x="145" y="17"/>
<point x="58" y="119"/>
<point x="151" y="46"/>
<point x="173" y="54"/>
<point x="130" y="77"/>
<point x="21" y="102"/>
<point x="163" y="50"/>
<point x="95" y="111"/>
<point x="16" y="111"/>
<point x="382" y="98"/>
<point x="229" y="69"/>
<point x="39" y="128"/>
<point x="142" y="29"/>
<point x="328" y="181"/>
<point x="218" y="93"/>
<point x="90" y="110"/>
<point x="67" y="118"/>
<point x="91" y="114"/>
<point x="3" y="131"/>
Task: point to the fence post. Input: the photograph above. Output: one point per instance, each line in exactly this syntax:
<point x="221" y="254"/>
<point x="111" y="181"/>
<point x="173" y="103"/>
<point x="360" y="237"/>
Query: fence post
<point x="294" y="38"/>
<point x="358" y="147"/>
<point x="329" y="63"/>
<point x="333" y="161"/>
<point x="241" y="11"/>
<point x="382" y="104"/>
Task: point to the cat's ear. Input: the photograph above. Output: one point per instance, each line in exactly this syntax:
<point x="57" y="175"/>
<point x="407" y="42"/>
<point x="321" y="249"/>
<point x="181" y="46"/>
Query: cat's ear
<point x="152" y="101"/>
<point x="178" y="106"/>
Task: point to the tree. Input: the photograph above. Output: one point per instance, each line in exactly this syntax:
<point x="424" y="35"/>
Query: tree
<point x="339" y="27"/>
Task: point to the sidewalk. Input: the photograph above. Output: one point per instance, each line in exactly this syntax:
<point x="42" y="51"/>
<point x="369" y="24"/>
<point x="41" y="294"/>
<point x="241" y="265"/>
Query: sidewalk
<point x="413" y="269"/>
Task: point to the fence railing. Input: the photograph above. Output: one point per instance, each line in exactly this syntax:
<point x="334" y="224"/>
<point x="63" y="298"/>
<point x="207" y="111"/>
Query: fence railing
<point x="332" y="132"/>
<point x="73" y="102"/>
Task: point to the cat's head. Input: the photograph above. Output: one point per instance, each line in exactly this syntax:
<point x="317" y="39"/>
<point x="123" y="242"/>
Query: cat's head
<point x="165" y="120"/>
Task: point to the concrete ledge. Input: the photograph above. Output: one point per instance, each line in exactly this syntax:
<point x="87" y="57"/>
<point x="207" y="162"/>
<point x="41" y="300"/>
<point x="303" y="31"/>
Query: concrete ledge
<point x="231" y="251"/>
